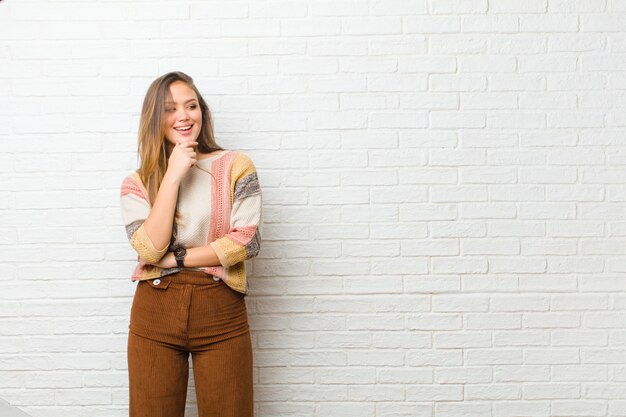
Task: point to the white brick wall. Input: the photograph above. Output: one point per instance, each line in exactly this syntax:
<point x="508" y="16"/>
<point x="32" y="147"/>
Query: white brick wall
<point x="444" y="190"/>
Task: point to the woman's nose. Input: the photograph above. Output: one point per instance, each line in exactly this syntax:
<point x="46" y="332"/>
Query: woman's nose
<point x="182" y="114"/>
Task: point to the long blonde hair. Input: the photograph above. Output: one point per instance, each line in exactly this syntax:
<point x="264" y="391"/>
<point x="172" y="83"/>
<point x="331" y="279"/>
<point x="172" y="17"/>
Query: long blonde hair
<point x="151" y="147"/>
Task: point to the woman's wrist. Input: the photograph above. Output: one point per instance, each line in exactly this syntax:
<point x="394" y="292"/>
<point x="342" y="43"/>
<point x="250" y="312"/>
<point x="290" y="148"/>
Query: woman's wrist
<point x="167" y="261"/>
<point x="171" y="260"/>
<point x="170" y="179"/>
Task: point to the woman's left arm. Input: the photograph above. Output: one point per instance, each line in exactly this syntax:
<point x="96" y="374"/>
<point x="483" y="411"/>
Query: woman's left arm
<point x="243" y="240"/>
<point x="196" y="257"/>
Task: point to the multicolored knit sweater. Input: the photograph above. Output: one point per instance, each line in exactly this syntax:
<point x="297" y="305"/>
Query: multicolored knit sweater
<point x="223" y="210"/>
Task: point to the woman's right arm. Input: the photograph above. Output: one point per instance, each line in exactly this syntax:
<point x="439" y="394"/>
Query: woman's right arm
<point x="149" y="228"/>
<point x="158" y="225"/>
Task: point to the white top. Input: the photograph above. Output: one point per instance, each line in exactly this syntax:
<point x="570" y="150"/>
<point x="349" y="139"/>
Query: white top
<point x="194" y="204"/>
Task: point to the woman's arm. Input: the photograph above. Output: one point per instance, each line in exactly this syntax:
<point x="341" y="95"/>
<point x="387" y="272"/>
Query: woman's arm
<point x="158" y="225"/>
<point x="153" y="229"/>
<point x="200" y="256"/>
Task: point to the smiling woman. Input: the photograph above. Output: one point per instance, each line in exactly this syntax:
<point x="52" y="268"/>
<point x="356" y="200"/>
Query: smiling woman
<point x="193" y="214"/>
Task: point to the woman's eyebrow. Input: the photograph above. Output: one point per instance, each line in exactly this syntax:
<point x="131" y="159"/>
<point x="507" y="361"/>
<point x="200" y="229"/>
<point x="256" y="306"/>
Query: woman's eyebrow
<point x="169" y="101"/>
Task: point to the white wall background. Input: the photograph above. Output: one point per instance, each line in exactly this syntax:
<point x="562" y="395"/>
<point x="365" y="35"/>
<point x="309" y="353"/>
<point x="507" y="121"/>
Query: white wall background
<point x="444" y="191"/>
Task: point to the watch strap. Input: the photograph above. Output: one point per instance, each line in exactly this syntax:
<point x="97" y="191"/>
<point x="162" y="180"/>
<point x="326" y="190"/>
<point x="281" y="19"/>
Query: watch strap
<point x="180" y="258"/>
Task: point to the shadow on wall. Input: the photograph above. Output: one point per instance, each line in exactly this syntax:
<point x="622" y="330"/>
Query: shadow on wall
<point x="6" y="410"/>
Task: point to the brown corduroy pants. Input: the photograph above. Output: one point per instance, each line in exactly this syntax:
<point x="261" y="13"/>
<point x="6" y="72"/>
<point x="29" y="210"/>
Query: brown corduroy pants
<point x="173" y="316"/>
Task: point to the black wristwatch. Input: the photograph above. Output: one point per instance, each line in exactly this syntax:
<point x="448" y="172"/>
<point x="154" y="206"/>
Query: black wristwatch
<point x="179" y="254"/>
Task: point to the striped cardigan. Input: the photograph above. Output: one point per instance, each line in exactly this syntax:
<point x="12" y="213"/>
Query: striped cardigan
<point x="235" y="225"/>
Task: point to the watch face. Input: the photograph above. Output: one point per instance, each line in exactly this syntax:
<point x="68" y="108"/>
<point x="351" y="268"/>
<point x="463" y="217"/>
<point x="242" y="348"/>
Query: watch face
<point x="180" y="252"/>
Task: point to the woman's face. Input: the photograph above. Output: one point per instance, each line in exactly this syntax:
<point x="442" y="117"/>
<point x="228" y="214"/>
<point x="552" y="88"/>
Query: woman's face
<point x="183" y="117"/>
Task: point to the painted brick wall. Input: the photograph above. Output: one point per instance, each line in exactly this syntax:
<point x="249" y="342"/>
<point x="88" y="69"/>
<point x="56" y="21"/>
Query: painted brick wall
<point x="444" y="190"/>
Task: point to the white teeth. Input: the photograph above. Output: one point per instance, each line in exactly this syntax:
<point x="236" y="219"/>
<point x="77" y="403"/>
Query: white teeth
<point x="183" y="128"/>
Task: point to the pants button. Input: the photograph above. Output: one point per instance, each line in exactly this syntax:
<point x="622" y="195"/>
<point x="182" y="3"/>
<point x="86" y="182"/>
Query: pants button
<point x="156" y="281"/>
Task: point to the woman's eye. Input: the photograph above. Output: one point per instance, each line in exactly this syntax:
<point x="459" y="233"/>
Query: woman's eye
<point x="193" y="106"/>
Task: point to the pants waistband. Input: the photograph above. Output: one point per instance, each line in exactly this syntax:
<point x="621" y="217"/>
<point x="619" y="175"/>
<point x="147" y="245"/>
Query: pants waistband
<point x="191" y="276"/>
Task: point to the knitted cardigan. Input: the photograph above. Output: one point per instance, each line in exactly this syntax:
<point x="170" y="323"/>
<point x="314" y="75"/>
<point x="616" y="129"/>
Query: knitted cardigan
<point x="235" y="227"/>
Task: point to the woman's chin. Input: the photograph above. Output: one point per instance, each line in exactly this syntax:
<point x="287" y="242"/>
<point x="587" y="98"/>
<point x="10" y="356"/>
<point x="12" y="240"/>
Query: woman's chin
<point x="185" y="139"/>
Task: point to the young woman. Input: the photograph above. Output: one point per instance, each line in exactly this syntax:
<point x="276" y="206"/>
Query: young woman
<point x="193" y="214"/>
